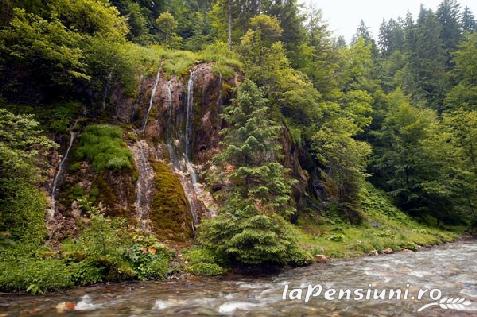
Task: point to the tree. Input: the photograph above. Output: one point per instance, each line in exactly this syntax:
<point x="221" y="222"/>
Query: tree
<point x="167" y="26"/>
<point x="22" y="164"/>
<point x="391" y="37"/>
<point x="46" y="53"/>
<point x="97" y="18"/>
<point x="399" y="151"/>
<point x="464" y="94"/>
<point x="136" y="20"/>
<point x="318" y="57"/>
<point x="251" y="229"/>
<point x="426" y="78"/>
<point x="468" y="21"/>
<point x="449" y="17"/>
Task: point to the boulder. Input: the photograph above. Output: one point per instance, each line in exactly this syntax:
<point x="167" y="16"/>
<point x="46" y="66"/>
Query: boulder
<point x="321" y="258"/>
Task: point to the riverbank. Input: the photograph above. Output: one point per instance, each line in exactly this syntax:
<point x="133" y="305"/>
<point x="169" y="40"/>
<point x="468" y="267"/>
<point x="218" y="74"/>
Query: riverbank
<point x="129" y="256"/>
<point x="384" y="229"/>
<point x="449" y="268"/>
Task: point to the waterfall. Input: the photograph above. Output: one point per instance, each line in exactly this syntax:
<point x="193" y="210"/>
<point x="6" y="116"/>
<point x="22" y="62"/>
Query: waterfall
<point x="189" y="115"/>
<point x="59" y="173"/>
<point x="144" y="184"/>
<point x="151" y="101"/>
<point x="219" y="99"/>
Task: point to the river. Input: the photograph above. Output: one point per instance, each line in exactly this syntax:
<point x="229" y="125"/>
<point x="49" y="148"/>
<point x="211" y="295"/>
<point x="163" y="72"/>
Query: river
<point x="451" y="269"/>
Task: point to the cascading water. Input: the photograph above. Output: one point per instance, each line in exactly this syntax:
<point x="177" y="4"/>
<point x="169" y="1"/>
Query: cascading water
<point x="189" y="116"/>
<point x="59" y="173"/>
<point x="144" y="184"/>
<point x="219" y="99"/>
<point x="189" y="167"/>
<point x="151" y="101"/>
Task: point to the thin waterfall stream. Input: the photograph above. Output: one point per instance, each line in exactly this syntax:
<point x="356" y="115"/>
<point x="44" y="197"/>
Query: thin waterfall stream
<point x="151" y="100"/>
<point x="144" y="183"/>
<point x="59" y="173"/>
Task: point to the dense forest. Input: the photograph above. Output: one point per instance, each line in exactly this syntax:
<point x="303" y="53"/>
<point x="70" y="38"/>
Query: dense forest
<point x="141" y="139"/>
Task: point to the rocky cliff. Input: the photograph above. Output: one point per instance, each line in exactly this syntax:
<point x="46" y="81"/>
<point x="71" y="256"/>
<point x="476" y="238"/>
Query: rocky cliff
<point x="172" y="130"/>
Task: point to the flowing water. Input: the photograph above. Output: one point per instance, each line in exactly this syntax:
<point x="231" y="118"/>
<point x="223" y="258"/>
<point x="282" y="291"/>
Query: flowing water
<point x="180" y="156"/>
<point x="451" y="268"/>
<point x="59" y="174"/>
<point x="189" y="116"/>
<point x="144" y="183"/>
<point x="151" y="101"/>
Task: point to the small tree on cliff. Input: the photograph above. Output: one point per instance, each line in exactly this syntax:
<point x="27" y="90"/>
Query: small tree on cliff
<point x="251" y="229"/>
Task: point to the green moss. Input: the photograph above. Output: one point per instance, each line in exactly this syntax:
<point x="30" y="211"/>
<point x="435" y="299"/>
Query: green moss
<point x="384" y="226"/>
<point x="103" y="146"/>
<point x="170" y="211"/>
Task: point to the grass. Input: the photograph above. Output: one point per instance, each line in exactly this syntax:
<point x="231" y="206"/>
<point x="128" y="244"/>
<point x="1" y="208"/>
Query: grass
<point x="103" y="146"/>
<point x="384" y="226"/>
<point x="178" y="63"/>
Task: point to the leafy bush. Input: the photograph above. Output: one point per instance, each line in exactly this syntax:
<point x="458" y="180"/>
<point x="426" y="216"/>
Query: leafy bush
<point x="102" y="144"/>
<point x="20" y="270"/>
<point x="86" y="273"/>
<point x="254" y="240"/>
<point x="200" y="261"/>
<point x="149" y="262"/>
<point x="22" y="205"/>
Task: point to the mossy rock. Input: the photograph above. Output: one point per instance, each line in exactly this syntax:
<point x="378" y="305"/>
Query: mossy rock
<point x="170" y="210"/>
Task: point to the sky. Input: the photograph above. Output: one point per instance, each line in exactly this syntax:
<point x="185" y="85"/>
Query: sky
<point x="344" y="16"/>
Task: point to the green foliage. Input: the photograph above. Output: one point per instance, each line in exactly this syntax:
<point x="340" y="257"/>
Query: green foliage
<point x="23" y="205"/>
<point x="383" y="226"/>
<point x="149" y="262"/>
<point x="96" y="18"/>
<point x="247" y="238"/>
<point x="200" y="261"/>
<point x="20" y="270"/>
<point x="252" y="148"/>
<point x="46" y="51"/>
<point x="103" y="146"/>
<point x="251" y="230"/>
<point x="167" y="25"/>
<point x="464" y="94"/>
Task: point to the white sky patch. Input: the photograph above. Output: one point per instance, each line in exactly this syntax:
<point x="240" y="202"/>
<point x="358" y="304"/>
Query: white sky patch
<point x="344" y="16"/>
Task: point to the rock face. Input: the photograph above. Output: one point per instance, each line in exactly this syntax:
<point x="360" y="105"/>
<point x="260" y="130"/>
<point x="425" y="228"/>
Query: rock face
<point x="175" y="124"/>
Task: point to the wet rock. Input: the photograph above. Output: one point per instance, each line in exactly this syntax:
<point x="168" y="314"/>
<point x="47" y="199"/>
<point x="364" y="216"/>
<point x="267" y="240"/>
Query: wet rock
<point x="373" y="253"/>
<point x="406" y="251"/>
<point x="387" y="251"/>
<point x="63" y="307"/>
<point x="321" y="258"/>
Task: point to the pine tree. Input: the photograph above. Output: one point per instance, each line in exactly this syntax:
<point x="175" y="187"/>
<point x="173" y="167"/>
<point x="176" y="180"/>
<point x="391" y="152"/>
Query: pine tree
<point x="449" y="17"/>
<point x="426" y="70"/>
<point x="468" y="21"/>
<point x="391" y="37"/>
<point x="251" y="228"/>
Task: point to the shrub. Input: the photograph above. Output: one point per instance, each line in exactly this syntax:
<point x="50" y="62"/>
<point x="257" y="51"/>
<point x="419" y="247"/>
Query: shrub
<point x="200" y="261"/>
<point x="86" y="273"/>
<point x="254" y="240"/>
<point x="22" y="271"/>
<point x="150" y="262"/>
<point x="103" y="146"/>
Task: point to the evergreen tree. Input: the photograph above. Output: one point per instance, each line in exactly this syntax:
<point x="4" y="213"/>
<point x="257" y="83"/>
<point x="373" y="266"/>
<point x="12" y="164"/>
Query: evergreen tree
<point x="251" y="228"/>
<point x="449" y="17"/>
<point x="468" y="21"/>
<point x="464" y="94"/>
<point x="426" y="70"/>
<point x="391" y="37"/>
